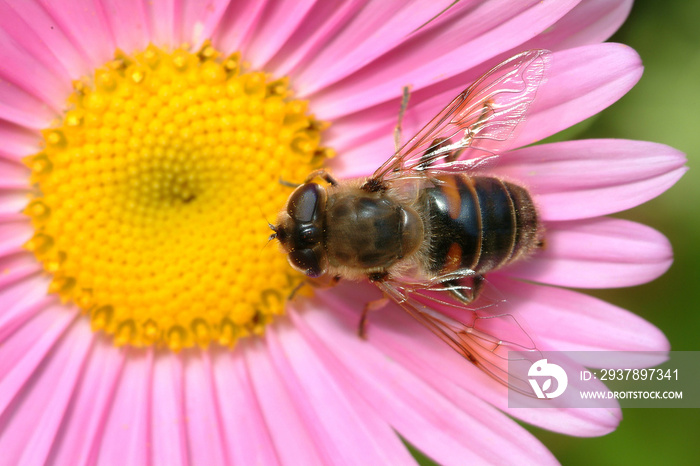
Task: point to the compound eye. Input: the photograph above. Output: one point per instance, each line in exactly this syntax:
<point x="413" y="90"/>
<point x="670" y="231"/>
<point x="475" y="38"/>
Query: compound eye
<point x="303" y="203"/>
<point x="307" y="261"/>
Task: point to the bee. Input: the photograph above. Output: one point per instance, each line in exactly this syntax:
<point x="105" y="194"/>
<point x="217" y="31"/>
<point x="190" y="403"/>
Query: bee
<point x="426" y="227"/>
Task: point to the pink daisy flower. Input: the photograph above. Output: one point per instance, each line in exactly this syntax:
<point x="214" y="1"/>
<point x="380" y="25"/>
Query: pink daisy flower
<point x="131" y="215"/>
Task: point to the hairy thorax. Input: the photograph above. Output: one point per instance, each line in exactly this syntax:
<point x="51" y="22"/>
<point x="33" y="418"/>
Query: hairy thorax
<point x="370" y="231"/>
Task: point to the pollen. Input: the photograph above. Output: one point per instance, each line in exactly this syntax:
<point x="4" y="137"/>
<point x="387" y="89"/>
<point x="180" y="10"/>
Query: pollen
<point x="152" y="195"/>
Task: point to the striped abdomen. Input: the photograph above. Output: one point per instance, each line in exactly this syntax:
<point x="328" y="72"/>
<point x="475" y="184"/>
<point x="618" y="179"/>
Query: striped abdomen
<point x="479" y="223"/>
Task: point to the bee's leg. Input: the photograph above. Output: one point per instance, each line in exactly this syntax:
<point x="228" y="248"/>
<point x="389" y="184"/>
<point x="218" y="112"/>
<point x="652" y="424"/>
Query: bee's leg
<point x="373" y="305"/>
<point x="461" y="293"/>
<point x="288" y="184"/>
<point x="439" y="143"/>
<point x="323" y="174"/>
<point x="476" y="127"/>
<point x="454" y="155"/>
<point x="320" y="282"/>
<point x="397" y="129"/>
<point x="429" y="156"/>
<point x="295" y="290"/>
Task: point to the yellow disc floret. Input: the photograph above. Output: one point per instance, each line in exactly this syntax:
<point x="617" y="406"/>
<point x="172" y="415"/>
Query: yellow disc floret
<point x="153" y="193"/>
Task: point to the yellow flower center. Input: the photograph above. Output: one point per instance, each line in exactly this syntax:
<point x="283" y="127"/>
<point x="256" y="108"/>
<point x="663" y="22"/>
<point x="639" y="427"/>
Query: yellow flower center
<point x="153" y="193"/>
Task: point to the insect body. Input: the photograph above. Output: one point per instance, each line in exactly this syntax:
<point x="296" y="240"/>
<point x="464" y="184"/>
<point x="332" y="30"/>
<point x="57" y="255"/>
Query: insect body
<point x="459" y="223"/>
<point x="426" y="222"/>
<point x="477" y="223"/>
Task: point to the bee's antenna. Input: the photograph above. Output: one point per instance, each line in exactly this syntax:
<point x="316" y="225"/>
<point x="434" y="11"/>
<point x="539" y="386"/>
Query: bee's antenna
<point x="273" y="235"/>
<point x="288" y="184"/>
<point x="272" y="227"/>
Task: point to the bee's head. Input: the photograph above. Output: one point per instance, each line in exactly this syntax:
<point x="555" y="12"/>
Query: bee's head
<point x="300" y="229"/>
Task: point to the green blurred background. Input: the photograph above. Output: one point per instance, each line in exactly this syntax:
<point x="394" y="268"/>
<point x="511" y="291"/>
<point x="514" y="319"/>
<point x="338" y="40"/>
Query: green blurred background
<point x="664" y="107"/>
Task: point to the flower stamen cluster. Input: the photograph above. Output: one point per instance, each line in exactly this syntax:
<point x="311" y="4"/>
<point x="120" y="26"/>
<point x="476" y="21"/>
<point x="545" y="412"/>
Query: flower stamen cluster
<point x="152" y="192"/>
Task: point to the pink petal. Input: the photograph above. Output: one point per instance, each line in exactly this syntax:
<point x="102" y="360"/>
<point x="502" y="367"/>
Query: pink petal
<point x="597" y="253"/>
<point x="78" y="440"/>
<point x="582" y="82"/>
<point x="12" y="202"/>
<point x="569" y="321"/>
<point x="22" y="353"/>
<point x="19" y="106"/>
<point x="202" y="411"/>
<point x="405" y="341"/>
<point x="321" y="23"/>
<point x="238" y="23"/>
<point x="338" y="417"/>
<point x="32" y="26"/>
<point x="13" y="175"/>
<point x="376" y="29"/>
<point x="431" y="422"/>
<point x="22" y="296"/>
<point x="593" y="177"/>
<point x="201" y="19"/>
<point x="472" y="36"/>
<point x="241" y="415"/>
<point x="15" y="229"/>
<point x="18" y="141"/>
<point x="168" y="421"/>
<point x="15" y="266"/>
<point x="22" y="88"/>
<point x="46" y="402"/>
<point x="290" y="435"/>
<point x="86" y="27"/>
<point x="125" y="437"/>
<point x="575" y="90"/>
<point x="129" y="22"/>
<point x="589" y="22"/>
<point x="281" y="19"/>
<point x="165" y="16"/>
<point x="601" y="201"/>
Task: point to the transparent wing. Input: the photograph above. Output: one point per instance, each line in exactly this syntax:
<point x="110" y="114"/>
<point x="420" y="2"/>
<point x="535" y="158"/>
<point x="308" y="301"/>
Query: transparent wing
<point x="482" y="118"/>
<point x="470" y="331"/>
